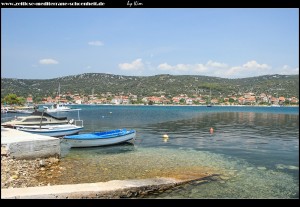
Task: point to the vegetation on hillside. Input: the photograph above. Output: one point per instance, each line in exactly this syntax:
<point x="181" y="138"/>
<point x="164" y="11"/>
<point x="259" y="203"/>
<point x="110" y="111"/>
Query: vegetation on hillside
<point x="165" y="84"/>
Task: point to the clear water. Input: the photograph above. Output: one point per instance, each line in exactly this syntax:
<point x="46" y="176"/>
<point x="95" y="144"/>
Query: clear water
<point x="255" y="149"/>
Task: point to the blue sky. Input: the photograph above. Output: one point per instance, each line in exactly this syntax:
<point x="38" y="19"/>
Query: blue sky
<point x="45" y="43"/>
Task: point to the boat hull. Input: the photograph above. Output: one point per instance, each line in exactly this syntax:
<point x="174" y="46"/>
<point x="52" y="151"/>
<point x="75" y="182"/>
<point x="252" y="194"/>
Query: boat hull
<point x="61" y="110"/>
<point x="103" y="141"/>
<point x="51" y="131"/>
<point x="36" y="118"/>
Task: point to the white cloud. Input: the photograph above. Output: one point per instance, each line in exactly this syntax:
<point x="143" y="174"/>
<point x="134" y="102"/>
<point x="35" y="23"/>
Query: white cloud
<point x="134" y="65"/>
<point x="253" y="64"/>
<point x="96" y="43"/>
<point x="164" y="66"/>
<point x="200" y="68"/>
<point x="234" y="70"/>
<point x="287" y="70"/>
<point x="285" y="67"/>
<point x="178" y="67"/>
<point x="183" y="67"/>
<point x="249" y="69"/>
<point x="192" y="69"/>
<point x="211" y="63"/>
<point x="48" y="61"/>
<point x="212" y="68"/>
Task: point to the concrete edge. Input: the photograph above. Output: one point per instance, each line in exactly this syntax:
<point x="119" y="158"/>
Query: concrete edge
<point x="110" y="189"/>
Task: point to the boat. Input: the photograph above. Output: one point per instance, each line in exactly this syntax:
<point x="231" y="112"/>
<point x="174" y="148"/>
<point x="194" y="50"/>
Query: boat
<point x="100" y="138"/>
<point x="59" y="130"/>
<point x="36" y="118"/>
<point x="4" y="110"/>
<point x="209" y="104"/>
<point x="58" y="108"/>
<point x="23" y="109"/>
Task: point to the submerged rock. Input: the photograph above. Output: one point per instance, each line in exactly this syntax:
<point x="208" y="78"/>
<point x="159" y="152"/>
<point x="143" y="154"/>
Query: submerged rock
<point x="22" y="173"/>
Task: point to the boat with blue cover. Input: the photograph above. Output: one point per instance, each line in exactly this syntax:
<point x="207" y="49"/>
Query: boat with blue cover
<point x="96" y="139"/>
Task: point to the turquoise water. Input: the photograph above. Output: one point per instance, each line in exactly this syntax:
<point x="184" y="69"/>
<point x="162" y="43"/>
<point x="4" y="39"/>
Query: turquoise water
<point x="256" y="147"/>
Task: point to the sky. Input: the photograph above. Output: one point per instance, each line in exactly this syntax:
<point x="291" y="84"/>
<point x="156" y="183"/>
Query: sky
<point x="46" y="43"/>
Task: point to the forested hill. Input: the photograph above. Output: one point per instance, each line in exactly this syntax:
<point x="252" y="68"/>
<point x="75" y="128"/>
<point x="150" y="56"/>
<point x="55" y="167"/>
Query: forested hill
<point x="279" y="85"/>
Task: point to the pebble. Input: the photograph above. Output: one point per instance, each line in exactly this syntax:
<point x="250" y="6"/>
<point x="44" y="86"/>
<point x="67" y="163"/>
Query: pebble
<point x="23" y="173"/>
<point x="42" y="163"/>
<point x="291" y="167"/>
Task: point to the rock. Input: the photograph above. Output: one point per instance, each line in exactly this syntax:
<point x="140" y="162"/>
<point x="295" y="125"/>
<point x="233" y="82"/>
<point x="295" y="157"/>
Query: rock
<point x="224" y="177"/>
<point x="15" y="176"/>
<point x="291" y="167"/>
<point x="280" y="166"/>
<point x="3" y="151"/>
<point x="42" y="163"/>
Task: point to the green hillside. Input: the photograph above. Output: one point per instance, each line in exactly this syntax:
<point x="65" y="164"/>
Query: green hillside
<point x="169" y="85"/>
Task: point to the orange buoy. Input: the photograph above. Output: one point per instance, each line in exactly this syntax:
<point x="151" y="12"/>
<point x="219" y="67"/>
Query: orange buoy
<point x="211" y="130"/>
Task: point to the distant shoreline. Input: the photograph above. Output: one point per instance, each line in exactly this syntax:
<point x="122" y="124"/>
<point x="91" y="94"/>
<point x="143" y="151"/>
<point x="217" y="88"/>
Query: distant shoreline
<point x="176" y="105"/>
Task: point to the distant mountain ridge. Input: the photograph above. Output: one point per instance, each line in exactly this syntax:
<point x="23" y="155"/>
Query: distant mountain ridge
<point x="164" y="84"/>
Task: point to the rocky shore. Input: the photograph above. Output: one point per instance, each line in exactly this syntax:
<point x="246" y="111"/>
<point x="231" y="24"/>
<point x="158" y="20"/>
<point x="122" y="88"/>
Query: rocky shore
<point x="25" y="173"/>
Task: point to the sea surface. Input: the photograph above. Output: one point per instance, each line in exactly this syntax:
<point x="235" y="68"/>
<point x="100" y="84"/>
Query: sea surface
<point x="257" y="147"/>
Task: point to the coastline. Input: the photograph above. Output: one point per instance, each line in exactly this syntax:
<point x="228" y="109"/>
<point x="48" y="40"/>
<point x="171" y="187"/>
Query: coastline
<point x="175" y="105"/>
<point x="25" y="179"/>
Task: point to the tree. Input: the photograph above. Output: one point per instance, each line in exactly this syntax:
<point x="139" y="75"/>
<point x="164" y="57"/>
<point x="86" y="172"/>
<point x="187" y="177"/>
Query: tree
<point x="69" y="98"/>
<point x="12" y="99"/>
<point x="196" y="102"/>
<point x="150" y="102"/>
<point x="182" y="101"/>
<point x="21" y="100"/>
<point x="231" y="100"/>
<point x="38" y="99"/>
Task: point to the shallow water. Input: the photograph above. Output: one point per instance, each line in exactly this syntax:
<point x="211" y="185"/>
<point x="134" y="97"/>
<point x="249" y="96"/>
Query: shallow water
<point x="255" y="149"/>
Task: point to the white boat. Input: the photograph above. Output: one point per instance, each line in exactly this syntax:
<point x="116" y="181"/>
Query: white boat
<point x="4" y="110"/>
<point x="100" y="138"/>
<point x="58" y="108"/>
<point x="209" y="103"/>
<point x="275" y="105"/>
<point x="52" y="130"/>
<point x="24" y="111"/>
<point x="36" y="118"/>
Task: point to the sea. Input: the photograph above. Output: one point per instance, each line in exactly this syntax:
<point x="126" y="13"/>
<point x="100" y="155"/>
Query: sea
<point x="254" y="149"/>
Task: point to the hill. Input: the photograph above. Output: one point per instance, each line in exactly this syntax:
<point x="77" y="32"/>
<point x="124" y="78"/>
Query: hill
<point x="165" y="84"/>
